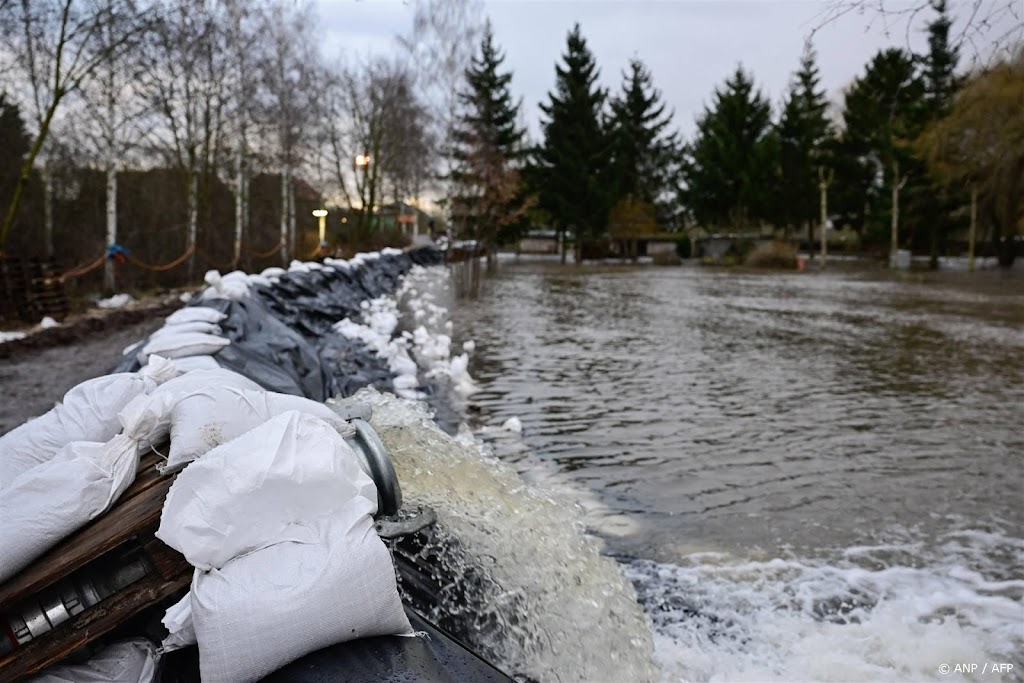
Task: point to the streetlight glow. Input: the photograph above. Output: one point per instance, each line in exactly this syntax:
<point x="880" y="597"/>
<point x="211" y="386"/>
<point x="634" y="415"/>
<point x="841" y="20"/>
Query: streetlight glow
<point x="322" y="215"/>
<point x="362" y="160"/>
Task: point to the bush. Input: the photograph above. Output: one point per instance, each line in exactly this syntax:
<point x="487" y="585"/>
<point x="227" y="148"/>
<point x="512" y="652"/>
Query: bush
<point x="775" y="254"/>
<point x="666" y="258"/>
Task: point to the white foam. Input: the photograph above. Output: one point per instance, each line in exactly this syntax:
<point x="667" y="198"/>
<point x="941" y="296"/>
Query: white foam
<point x="716" y="617"/>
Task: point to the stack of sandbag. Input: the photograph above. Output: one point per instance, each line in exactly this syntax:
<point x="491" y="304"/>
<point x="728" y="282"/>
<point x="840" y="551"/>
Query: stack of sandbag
<point x="190" y="335"/>
<point x="211" y="412"/>
<point x="234" y="285"/>
<point x="88" y="412"/>
<point x="69" y="466"/>
<point x="278" y="524"/>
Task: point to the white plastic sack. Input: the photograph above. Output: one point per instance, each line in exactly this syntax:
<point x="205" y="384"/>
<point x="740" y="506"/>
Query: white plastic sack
<point x="279" y="525"/>
<point x="183" y="344"/>
<point x="128" y="661"/>
<point x="339" y="587"/>
<point x="234" y="285"/>
<point x="89" y="412"/>
<point x="51" y="500"/>
<point x="181" y="328"/>
<point x="268" y="485"/>
<point x="147" y="419"/>
<point x="178" y="622"/>
<point x="193" y="363"/>
<point x="191" y="314"/>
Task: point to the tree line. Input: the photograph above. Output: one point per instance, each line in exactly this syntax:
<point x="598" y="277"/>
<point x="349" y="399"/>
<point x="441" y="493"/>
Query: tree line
<point x="916" y="153"/>
<point x="168" y="124"/>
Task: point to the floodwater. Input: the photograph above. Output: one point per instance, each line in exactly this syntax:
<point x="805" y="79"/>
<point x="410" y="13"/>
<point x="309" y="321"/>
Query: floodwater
<point x="809" y="476"/>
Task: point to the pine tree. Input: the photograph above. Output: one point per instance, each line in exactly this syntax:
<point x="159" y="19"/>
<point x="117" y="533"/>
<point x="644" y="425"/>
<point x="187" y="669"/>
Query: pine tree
<point x="935" y="204"/>
<point x="805" y="140"/>
<point x="573" y="162"/>
<point x="489" y="150"/>
<point x="642" y="151"/>
<point x="729" y="166"/>
<point x="882" y="115"/>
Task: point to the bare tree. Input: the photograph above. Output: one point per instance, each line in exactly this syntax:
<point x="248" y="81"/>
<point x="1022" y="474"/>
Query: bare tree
<point x="56" y="46"/>
<point x="292" y="78"/>
<point x="186" y="87"/>
<point x="989" y="30"/>
<point x="380" y="125"/>
<point x="441" y="47"/>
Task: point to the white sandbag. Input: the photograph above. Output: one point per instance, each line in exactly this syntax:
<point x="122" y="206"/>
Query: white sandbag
<point x="181" y="328"/>
<point x="209" y="417"/>
<point x="178" y="622"/>
<point x="193" y="363"/>
<point x="337" y="587"/>
<point x="191" y="314"/>
<point x="183" y="344"/>
<point x="269" y="485"/>
<point x="234" y="285"/>
<point x="147" y="419"/>
<point x="51" y="500"/>
<point x="89" y="412"/>
<point x="127" y="661"/>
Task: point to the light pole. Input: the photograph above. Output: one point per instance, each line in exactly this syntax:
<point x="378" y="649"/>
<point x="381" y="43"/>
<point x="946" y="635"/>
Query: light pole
<point x="363" y="162"/>
<point x="322" y="215"/>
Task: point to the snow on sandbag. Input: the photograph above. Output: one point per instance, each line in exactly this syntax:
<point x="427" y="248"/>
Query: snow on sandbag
<point x="183" y="344"/>
<point x="191" y="314"/>
<point x="206" y="418"/>
<point x="339" y="587"/>
<point x="48" y="502"/>
<point x="267" y="485"/>
<point x="193" y="363"/>
<point x="128" y="661"/>
<point x="194" y="326"/>
<point x="279" y="525"/>
<point x="89" y="412"/>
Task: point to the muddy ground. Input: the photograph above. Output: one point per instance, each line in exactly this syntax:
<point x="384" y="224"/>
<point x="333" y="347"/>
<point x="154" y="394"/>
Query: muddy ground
<point x="35" y="372"/>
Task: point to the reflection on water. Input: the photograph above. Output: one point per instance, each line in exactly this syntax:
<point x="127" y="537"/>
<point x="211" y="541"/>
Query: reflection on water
<point x="761" y="416"/>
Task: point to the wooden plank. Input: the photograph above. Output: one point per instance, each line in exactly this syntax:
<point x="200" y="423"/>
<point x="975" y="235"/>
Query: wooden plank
<point x="138" y="510"/>
<point x="89" y="625"/>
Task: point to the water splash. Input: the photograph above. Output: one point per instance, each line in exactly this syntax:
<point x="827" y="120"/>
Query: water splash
<point x="538" y="596"/>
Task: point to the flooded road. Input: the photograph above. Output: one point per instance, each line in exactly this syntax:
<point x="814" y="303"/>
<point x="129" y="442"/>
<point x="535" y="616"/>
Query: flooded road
<point x="812" y="476"/>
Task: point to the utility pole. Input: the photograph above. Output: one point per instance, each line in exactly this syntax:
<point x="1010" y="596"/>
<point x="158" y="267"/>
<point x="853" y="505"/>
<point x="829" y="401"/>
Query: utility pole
<point x="824" y="179"/>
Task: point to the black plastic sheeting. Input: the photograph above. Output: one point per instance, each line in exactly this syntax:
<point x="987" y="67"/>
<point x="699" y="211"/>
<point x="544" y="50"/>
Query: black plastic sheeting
<point x="435" y="657"/>
<point x="281" y="336"/>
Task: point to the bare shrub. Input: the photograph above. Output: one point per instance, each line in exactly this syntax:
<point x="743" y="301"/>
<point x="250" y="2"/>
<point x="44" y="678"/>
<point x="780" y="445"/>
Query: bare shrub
<point x="774" y="254"/>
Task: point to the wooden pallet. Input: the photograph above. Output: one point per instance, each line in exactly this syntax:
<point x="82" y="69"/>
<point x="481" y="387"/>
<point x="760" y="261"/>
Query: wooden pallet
<point x="132" y="521"/>
<point x="31" y="289"/>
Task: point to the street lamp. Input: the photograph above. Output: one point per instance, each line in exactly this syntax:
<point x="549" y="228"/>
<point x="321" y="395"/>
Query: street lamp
<point x="362" y="160"/>
<point x="322" y="215"/>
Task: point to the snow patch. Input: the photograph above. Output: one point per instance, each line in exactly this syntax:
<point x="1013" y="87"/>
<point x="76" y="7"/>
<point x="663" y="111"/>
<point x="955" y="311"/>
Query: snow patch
<point x="116" y="301"/>
<point x="48" y="322"/>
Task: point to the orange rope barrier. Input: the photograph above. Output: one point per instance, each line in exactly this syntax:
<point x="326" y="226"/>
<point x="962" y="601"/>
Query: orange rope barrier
<point x="210" y="261"/>
<point x="82" y="270"/>
<point x="268" y="254"/>
<point x="173" y="264"/>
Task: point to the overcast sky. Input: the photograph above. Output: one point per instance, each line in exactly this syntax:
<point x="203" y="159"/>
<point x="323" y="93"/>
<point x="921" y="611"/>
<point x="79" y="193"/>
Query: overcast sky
<point x="690" y="46"/>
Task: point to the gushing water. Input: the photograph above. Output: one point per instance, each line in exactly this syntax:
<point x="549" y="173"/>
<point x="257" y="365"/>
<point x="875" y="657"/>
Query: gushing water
<point x="544" y="603"/>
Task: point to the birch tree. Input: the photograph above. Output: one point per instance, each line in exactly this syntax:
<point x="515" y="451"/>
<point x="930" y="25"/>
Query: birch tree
<point x="57" y="46"/>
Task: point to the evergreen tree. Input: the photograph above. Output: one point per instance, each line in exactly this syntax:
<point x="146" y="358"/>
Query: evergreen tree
<point x="15" y="142"/>
<point x="805" y="141"/>
<point x="489" y="149"/>
<point x="882" y="115"/>
<point x="642" y="150"/>
<point x="573" y="162"/>
<point x="729" y="166"/>
<point x="935" y="204"/>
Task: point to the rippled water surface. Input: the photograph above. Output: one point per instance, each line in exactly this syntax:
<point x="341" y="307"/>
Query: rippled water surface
<point x="814" y="476"/>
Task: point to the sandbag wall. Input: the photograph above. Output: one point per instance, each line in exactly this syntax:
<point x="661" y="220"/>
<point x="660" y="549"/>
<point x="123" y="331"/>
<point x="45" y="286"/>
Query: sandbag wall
<point x="279" y="323"/>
